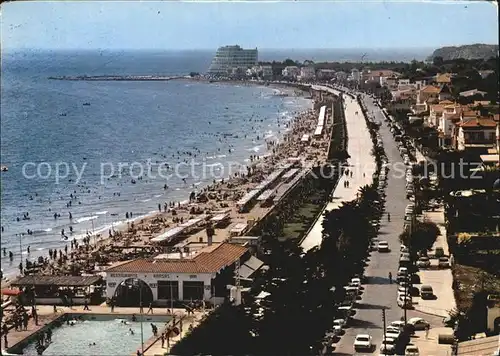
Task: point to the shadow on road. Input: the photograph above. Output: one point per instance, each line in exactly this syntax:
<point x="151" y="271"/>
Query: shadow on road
<point x="371" y="306"/>
<point x="378" y="280"/>
<point x="363" y="324"/>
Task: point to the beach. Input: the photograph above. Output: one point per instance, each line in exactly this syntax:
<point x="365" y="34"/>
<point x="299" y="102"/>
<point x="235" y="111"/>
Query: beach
<point x="133" y="238"/>
<point x="250" y="116"/>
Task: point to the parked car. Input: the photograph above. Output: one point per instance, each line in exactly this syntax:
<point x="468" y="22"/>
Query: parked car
<point x="403" y="270"/>
<point x="402" y="276"/>
<point x="426" y="292"/>
<point x="412" y="291"/>
<point x="363" y="342"/>
<point x="418" y="323"/>
<point x="393" y="332"/>
<point x="340" y="322"/>
<point x="411" y="350"/>
<point x="346" y="311"/>
<point x="423" y="262"/>
<point x="404" y="262"/>
<point x="405" y="302"/>
<point x="444" y="262"/>
<point x="383" y="246"/>
<point x="355" y="282"/>
<point x="398" y="324"/>
<point x="387" y="345"/>
<point x="405" y="254"/>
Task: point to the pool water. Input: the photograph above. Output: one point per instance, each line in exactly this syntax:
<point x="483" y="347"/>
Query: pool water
<point x="111" y="337"/>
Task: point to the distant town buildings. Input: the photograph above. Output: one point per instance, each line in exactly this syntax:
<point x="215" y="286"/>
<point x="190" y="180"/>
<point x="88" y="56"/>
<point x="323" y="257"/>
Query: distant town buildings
<point x="232" y="60"/>
<point x="291" y="72"/>
<point x="355" y="75"/>
<point x="307" y="73"/>
<point x="472" y="92"/>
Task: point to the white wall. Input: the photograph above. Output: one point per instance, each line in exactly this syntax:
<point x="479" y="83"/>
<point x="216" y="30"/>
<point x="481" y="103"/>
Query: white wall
<point x="114" y="279"/>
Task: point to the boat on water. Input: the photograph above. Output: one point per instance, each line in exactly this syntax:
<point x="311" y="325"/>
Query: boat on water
<point x="86" y="104"/>
<point x="4" y="168"/>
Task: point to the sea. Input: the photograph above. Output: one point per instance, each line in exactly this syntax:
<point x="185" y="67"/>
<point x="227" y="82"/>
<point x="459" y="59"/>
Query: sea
<point x="101" y="149"/>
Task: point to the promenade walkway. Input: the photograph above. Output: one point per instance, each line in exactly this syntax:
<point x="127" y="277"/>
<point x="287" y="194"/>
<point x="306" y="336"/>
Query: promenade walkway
<point x="361" y="164"/>
<point x="379" y="293"/>
<point x="441" y="280"/>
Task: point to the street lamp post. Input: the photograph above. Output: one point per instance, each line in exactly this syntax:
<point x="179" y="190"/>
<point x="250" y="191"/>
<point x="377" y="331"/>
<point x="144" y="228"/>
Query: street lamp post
<point x="141" y="311"/>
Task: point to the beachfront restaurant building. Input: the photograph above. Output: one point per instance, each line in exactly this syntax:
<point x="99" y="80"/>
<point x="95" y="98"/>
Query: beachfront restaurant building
<point x="203" y="275"/>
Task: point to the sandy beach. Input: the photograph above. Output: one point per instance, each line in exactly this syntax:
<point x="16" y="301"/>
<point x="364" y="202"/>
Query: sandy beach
<point x="133" y="239"/>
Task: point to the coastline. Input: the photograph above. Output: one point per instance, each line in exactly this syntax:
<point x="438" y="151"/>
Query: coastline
<point x="100" y="235"/>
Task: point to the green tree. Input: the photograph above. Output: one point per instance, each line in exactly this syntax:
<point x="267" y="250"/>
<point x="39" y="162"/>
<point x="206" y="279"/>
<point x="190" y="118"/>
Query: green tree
<point x="437" y="61"/>
<point x="421" y="237"/>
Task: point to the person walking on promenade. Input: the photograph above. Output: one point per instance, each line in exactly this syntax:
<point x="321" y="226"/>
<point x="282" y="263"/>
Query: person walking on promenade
<point x="112" y="304"/>
<point x="427" y="328"/>
<point x="86" y="304"/>
<point x="150" y="308"/>
<point x="162" y="340"/>
<point x="141" y="308"/>
<point x="390" y="278"/>
<point x="388" y="216"/>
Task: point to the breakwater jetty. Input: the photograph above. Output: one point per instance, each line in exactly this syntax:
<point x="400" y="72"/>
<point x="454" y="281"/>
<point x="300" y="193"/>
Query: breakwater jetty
<point x="120" y="77"/>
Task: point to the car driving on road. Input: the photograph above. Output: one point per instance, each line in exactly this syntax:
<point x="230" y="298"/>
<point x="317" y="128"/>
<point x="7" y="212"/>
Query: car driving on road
<point x="363" y="342"/>
<point x="418" y="323"/>
<point x="383" y="246"/>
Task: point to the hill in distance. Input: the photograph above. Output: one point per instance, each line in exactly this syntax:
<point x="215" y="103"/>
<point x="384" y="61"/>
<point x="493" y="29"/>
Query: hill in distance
<point x="473" y="51"/>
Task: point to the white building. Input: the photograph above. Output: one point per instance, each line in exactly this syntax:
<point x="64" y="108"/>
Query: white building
<point x="291" y="72"/>
<point x="267" y="71"/>
<point x="326" y="74"/>
<point x="200" y="277"/>
<point x="229" y="57"/>
<point x="340" y="76"/>
<point x="307" y="73"/>
<point x="355" y="75"/>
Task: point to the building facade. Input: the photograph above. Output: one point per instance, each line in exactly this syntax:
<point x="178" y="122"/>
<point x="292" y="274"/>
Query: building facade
<point x="228" y="58"/>
<point x="307" y="73"/>
<point x="177" y="279"/>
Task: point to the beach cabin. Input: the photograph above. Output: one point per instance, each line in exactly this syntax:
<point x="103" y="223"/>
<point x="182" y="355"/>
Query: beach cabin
<point x="221" y="220"/>
<point x="238" y="229"/>
<point x="245" y="203"/>
<point x="173" y="233"/>
<point x="266" y="198"/>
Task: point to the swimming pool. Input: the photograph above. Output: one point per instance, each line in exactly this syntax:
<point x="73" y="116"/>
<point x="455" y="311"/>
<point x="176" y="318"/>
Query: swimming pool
<point x="111" y="337"/>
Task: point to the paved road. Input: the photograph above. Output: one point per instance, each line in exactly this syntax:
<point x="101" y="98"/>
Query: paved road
<point x="362" y="166"/>
<point x="378" y="292"/>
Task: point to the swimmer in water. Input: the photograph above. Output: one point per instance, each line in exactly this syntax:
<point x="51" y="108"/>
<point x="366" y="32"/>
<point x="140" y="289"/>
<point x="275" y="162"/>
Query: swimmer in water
<point x="131" y="331"/>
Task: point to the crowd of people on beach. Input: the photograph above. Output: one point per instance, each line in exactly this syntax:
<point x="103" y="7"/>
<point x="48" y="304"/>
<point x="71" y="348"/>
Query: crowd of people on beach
<point x="221" y="193"/>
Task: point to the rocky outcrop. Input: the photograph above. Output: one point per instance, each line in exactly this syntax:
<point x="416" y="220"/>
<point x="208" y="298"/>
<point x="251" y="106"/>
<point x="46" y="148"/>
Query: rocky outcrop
<point x="474" y="51"/>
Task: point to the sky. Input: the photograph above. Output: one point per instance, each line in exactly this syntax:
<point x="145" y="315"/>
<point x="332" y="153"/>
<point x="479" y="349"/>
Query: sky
<point x="273" y="25"/>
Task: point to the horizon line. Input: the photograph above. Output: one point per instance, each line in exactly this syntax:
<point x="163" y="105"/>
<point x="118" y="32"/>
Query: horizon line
<point x="4" y="49"/>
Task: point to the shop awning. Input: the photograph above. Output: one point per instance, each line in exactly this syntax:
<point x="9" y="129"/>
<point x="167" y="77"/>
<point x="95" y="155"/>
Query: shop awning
<point x="60" y="281"/>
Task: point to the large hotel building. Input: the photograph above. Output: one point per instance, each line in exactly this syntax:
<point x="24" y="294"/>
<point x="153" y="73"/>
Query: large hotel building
<point x="231" y="58"/>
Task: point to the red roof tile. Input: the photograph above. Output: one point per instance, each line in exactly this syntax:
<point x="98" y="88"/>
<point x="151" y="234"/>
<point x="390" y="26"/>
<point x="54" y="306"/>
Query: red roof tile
<point x="479" y="122"/>
<point x="206" y="262"/>
<point x="430" y="89"/>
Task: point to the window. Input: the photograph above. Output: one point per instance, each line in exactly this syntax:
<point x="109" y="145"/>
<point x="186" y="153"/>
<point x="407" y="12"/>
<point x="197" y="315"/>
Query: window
<point x="192" y="290"/>
<point x="168" y="290"/>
